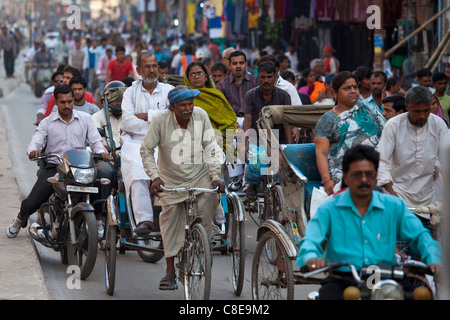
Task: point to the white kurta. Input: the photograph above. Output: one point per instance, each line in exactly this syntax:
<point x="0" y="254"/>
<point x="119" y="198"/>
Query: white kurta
<point x="408" y="155"/>
<point x="137" y="99"/>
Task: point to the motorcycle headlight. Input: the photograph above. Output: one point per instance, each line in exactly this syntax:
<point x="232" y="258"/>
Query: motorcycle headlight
<point x="83" y="176"/>
<point x="387" y="290"/>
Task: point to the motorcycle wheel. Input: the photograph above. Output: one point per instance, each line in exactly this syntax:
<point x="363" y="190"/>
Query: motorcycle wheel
<point x="38" y="90"/>
<point x="84" y="252"/>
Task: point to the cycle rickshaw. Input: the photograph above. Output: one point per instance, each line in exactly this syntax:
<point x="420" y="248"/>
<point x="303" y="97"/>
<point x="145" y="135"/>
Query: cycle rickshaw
<point x="194" y="267"/>
<point x="273" y="275"/>
<point x="297" y="174"/>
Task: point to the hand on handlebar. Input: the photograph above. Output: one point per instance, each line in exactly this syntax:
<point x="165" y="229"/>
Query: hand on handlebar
<point x="34" y="154"/>
<point x="156" y="186"/>
<point x="315" y="263"/>
<point x="218" y="184"/>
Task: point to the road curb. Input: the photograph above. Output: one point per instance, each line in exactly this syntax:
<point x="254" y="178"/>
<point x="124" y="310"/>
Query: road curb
<point x="21" y="276"/>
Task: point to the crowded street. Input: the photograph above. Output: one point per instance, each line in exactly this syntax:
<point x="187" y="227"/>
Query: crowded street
<point x="226" y="150"/>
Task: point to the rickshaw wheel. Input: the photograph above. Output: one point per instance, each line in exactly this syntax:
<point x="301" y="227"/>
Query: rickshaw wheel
<point x="272" y="279"/>
<point x="110" y="258"/>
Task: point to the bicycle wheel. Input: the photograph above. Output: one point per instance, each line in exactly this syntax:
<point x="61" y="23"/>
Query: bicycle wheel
<point x="110" y="258"/>
<point x="237" y="245"/>
<point x="84" y="252"/>
<point x="272" y="279"/>
<point x="197" y="265"/>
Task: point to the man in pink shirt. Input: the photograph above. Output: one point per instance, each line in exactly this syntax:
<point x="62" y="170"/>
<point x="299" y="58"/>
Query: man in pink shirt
<point x="102" y="67"/>
<point x="63" y="130"/>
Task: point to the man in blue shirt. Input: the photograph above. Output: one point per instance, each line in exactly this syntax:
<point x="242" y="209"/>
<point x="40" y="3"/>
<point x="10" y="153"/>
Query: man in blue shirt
<point x="362" y="226"/>
<point x="378" y="82"/>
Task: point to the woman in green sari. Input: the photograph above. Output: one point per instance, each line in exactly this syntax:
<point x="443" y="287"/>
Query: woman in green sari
<point x="211" y="100"/>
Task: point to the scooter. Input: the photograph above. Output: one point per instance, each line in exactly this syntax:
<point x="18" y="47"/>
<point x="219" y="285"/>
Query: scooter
<point x="41" y="79"/>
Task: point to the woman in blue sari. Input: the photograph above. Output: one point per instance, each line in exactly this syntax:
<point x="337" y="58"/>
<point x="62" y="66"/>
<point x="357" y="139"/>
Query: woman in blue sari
<point x="348" y="124"/>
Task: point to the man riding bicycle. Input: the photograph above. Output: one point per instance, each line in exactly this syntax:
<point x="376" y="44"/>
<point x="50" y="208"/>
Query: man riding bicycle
<point x="198" y="166"/>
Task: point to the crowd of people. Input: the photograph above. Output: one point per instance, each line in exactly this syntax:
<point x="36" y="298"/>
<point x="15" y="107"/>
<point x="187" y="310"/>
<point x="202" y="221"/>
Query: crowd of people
<point x="229" y="87"/>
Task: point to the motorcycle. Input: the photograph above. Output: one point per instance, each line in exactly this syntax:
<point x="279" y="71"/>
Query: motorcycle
<point x="41" y="79"/>
<point x="67" y="221"/>
<point x="406" y="281"/>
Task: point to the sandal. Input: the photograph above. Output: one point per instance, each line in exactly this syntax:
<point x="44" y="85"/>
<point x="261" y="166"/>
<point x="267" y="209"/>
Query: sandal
<point x="167" y="283"/>
<point x="144" y="227"/>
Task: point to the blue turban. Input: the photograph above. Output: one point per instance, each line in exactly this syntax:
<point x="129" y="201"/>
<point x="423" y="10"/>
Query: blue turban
<point x="182" y="94"/>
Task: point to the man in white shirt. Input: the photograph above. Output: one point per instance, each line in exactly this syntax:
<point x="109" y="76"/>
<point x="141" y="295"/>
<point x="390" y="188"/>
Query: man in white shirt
<point x="410" y="147"/>
<point x="63" y="130"/>
<point x="140" y="102"/>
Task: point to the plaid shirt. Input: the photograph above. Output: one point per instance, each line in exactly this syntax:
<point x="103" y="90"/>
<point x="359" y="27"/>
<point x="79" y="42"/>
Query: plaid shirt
<point x="235" y="94"/>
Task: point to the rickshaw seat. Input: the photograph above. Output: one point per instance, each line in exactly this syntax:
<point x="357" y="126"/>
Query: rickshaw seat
<point x="303" y="157"/>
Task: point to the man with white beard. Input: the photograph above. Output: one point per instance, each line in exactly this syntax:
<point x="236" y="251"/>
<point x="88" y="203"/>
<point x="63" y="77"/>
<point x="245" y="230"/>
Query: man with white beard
<point x="140" y="103"/>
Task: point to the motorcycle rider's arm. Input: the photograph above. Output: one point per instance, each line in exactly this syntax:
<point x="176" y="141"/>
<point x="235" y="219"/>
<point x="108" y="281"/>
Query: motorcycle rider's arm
<point x="38" y="140"/>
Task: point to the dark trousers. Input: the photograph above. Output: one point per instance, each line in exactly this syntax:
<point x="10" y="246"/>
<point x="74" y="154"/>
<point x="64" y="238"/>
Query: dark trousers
<point x="332" y="288"/>
<point x="108" y="171"/>
<point x="40" y="193"/>
<point x="9" y="61"/>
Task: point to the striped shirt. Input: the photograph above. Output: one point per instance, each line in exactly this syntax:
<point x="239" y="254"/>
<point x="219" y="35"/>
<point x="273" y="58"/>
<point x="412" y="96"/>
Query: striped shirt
<point x="235" y="94"/>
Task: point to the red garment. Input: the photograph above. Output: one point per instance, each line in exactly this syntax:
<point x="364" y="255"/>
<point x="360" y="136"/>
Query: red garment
<point x="119" y="72"/>
<point x="51" y="103"/>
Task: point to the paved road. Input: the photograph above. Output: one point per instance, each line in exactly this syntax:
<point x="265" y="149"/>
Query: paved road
<point x="135" y="279"/>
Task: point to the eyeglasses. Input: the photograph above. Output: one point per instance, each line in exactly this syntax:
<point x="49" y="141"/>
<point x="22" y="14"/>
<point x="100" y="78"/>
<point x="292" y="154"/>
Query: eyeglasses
<point x="148" y="67"/>
<point x="59" y="80"/>
<point x="358" y="175"/>
<point x="196" y="74"/>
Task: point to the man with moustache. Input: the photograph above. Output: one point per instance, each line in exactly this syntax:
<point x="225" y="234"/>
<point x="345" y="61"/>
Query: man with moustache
<point x="141" y="101"/>
<point x="411" y="146"/>
<point x="361" y="227"/>
<point x="378" y="82"/>
<point x="234" y="87"/>
<point x="63" y="130"/>
<point x="193" y="131"/>
<point x="266" y="94"/>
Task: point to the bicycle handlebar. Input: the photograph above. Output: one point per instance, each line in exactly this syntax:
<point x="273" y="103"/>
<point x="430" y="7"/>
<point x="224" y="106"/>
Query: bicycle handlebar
<point x="190" y="189"/>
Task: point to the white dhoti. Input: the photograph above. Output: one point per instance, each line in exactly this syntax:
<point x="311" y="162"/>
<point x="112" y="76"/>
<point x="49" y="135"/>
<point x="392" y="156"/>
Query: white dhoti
<point x="172" y="221"/>
<point x="136" y="181"/>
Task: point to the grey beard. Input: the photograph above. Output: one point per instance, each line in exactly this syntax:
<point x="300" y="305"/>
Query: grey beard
<point x="150" y="81"/>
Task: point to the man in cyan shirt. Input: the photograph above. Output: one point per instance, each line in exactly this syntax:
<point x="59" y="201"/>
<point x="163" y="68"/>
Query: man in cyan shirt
<point x="362" y="227"/>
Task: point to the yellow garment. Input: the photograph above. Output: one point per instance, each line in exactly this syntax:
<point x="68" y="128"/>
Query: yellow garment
<point x="213" y="101"/>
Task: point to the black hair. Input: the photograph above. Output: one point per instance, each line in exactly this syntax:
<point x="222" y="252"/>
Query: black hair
<point x="163" y="65"/>
<point x="438" y="76"/>
<point x="237" y="53"/>
<point x="360" y="152"/>
<point x="392" y="81"/>
<point x="219" y="66"/>
<point x="267" y="67"/>
<point x="340" y="78"/>
<point x="363" y="72"/>
<point x="398" y="102"/>
<point x="288" y="75"/>
<point x="74" y="71"/>
<point x="196" y="63"/>
<point x="57" y="72"/>
<point x="79" y="80"/>
<point x="120" y="49"/>
<point x="63" y="89"/>
<point x="378" y="74"/>
<point x="269" y="58"/>
<point x="423" y="73"/>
